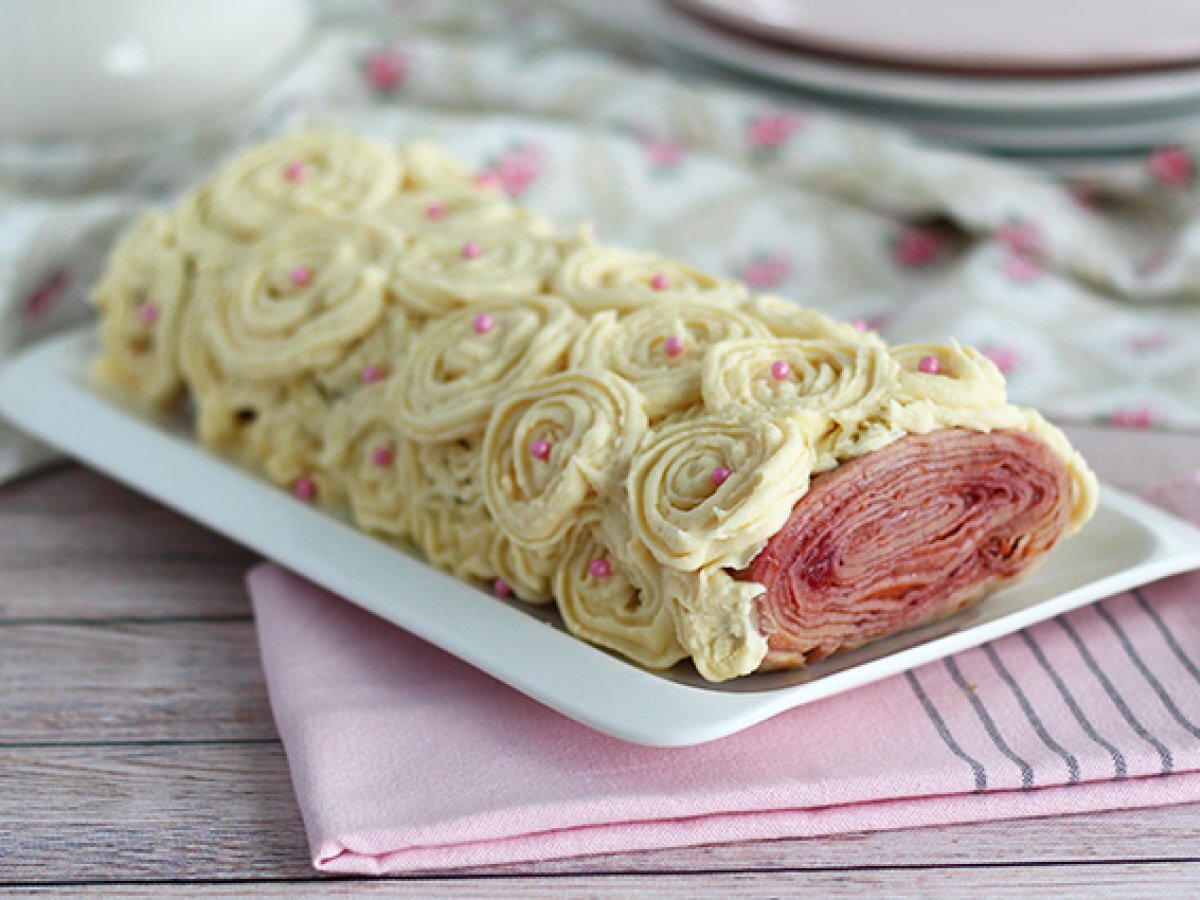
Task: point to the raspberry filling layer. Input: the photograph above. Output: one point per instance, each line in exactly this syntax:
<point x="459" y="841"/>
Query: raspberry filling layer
<point x="907" y="535"/>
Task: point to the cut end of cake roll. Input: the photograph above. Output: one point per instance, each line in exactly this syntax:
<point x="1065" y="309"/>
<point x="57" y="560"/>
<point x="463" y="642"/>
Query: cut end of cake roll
<point x="907" y="535"/>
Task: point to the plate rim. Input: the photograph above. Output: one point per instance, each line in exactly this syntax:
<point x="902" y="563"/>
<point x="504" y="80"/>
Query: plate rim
<point x="659" y="21"/>
<point x="41" y="391"/>
<point x="1067" y="60"/>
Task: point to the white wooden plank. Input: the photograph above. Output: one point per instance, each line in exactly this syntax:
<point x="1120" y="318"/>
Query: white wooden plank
<point x="1071" y="881"/>
<point x="75" y="545"/>
<point x="132" y="681"/>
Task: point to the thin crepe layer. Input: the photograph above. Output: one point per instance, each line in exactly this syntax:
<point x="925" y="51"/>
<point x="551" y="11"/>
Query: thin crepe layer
<point x="907" y="535"/>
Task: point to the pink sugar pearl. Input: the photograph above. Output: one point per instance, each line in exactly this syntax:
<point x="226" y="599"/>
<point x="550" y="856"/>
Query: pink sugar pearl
<point x="383" y="456"/>
<point x="859" y="324"/>
<point x="148" y="313"/>
<point x="301" y="275"/>
<point x="500" y="588"/>
<point x="435" y="211"/>
<point x="930" y="365"/>
<point x="295" y="171"/>
<point x="471" y="250"/>
<point x="540" y="449"/>
<point x="599" y="568"/>
<point x="673" y="346"/>
<point x="659" y="282"/>
<point x="304" y="488"/>
<point x="483" y="323"/>
<point x="372" y="373"/>
<point x="720" y="475"/>
<point x="780" y="370"/>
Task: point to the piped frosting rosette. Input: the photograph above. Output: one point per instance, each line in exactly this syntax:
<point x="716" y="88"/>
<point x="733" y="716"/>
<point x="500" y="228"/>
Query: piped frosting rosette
<point x="616" y="601"/>
<point x="948" y="375"/>
<point x="307" y="295"/>
<point x="527" y="573"/>
<point x="328" y="173"/>
<point x="142" y="298"/>
<point x="850" y="384"/>
<point x="228" y="413"/>
<point x="660" y="349"/>
<point x="834" y="378"/>
<point x="300" y="304"/>
<point x="372" y="358"/>
<point x="451" y="268"/>
<point x="594" y="277"/>
<point x="378" y="467"/>
<point x="552" y="446"/>
<point x="468" y="360"/>
<point x="711" y="489"/>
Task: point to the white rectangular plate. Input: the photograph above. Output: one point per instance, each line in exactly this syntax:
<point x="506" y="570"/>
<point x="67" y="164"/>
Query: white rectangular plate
<point x="46" y="392"/>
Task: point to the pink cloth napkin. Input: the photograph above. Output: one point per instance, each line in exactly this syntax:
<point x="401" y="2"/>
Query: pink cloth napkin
<point x="404" y="758"/>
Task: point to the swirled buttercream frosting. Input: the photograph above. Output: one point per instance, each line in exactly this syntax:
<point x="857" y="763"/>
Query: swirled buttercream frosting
<point x="688" y="470"/>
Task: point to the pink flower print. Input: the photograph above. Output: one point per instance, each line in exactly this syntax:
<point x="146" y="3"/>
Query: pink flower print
<point x="1021" y="267"/>
<point x="514" y="170"/>
<point x="1006" y="358"/>
<point x="1132" y="417"/>
<point x="1021" y="236"/>
<point x="1171" y="166"/>
<point x="916" y="247"/>
<point x="45" y="294"/>
<point x="879" y="321"/>
<point x="1149" y="342"/>
<point x="769" y="131"/>
<point x="663" y="156"/>
<point x="1085" y="195"/>
<point x="765" y="271"/>
<point x="386" y="69"/>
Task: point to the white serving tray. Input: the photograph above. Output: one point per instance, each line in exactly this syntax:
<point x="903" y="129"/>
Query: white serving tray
<point x="46" y="392"/>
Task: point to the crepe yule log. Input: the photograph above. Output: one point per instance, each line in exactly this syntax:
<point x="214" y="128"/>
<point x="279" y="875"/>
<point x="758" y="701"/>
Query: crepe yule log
<point x="687" y="470"/>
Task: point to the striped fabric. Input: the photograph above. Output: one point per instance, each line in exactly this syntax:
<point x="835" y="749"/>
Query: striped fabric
<point x="404" y="758"/>
<point x="1108" y="691"/>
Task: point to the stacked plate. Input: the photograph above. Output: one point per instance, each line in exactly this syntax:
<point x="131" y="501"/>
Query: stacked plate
<point x="1031" y="77"/>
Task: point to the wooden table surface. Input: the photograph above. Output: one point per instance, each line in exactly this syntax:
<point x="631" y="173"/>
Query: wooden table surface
<point x="138" y="754"/>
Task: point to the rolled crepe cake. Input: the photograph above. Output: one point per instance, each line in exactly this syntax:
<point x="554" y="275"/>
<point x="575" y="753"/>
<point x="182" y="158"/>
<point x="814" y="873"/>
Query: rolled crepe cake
<point x="688" y="470"/>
